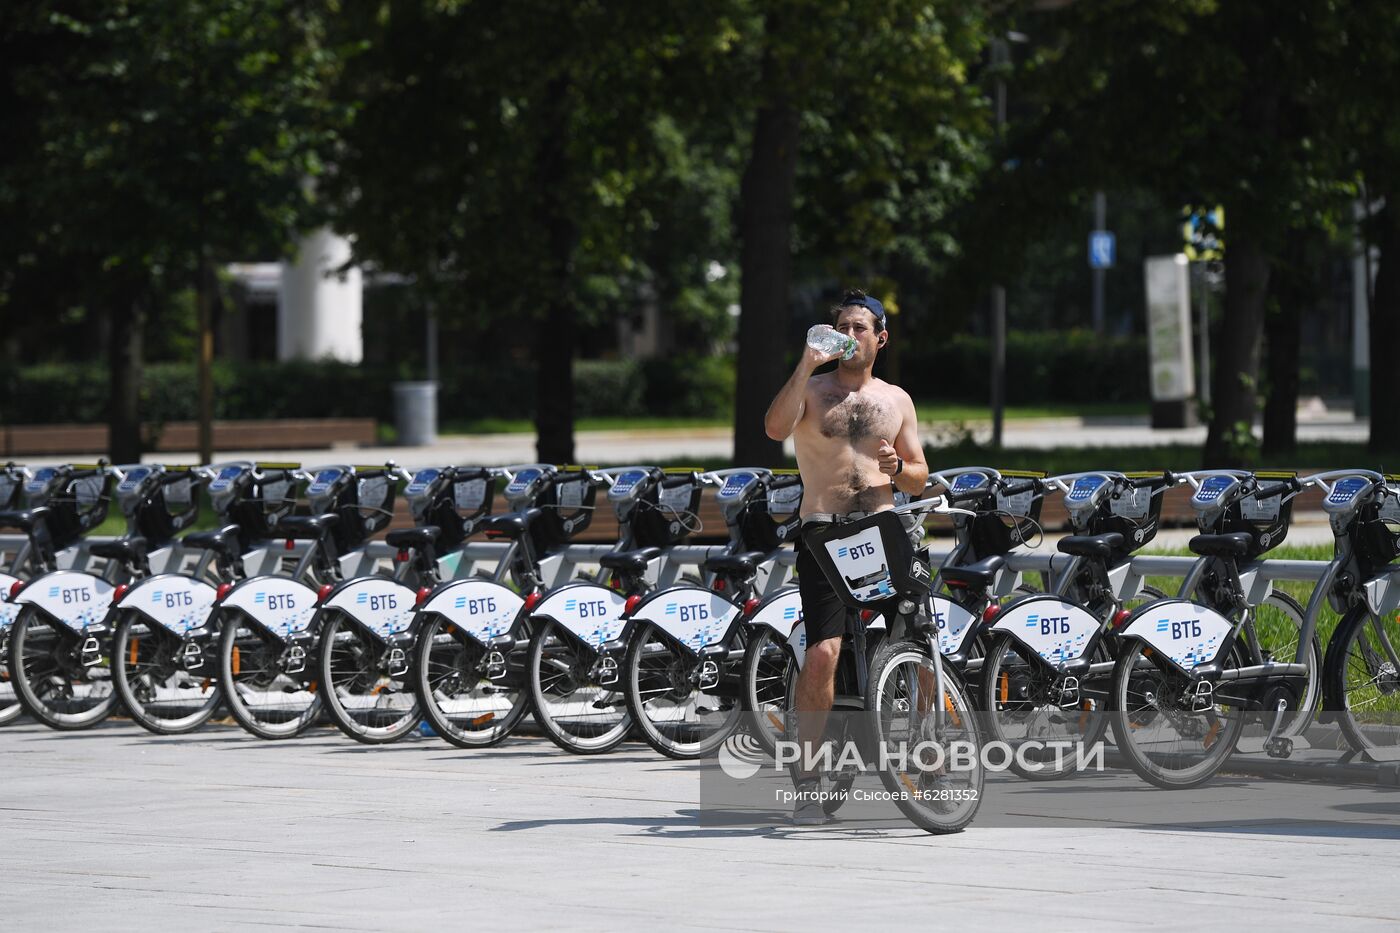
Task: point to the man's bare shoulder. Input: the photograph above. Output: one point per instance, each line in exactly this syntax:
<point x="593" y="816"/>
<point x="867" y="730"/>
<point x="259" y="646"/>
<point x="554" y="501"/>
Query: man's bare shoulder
<point x="893" y="392"/>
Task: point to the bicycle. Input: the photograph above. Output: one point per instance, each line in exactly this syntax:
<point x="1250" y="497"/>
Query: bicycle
<point x="163" y="670"/>
<point x="683" y="669"/>
<point x="916" y="700"/>
<point x="1361" y="671"/>
<point x="1189" y="674"/>
<point x="61" y="640"/>
<point x="1045" y="676"/>
<point x="267" y="641"/>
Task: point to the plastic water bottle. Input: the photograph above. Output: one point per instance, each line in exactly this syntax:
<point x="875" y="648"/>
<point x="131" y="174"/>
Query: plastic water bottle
<point x="827" y="339"/>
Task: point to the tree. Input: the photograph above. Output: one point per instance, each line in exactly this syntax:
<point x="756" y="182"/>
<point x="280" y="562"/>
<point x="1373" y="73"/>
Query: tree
<point x="864" y="127"/>
<point x="509" y="155"/>
<point x="163" y="137"/>
<point x="1202" y="102"/>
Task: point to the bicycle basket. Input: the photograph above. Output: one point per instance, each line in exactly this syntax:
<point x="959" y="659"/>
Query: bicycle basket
<point x="1015" y="520"/>
<point x="374" y="502"/>
<point x="868" y="561"/>
<point x="1266" y="520"/>
<point x="773" y="518"/>
<point x="1378" y="538"/>
<point x="568" y="509"/>
<point x="668" y="512"/>
<point x="1135" y="514"/>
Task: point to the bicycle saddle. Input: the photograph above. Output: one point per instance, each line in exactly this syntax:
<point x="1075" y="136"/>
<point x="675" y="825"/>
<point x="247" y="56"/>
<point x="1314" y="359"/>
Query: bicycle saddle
<point x="24" y="519"/>
<point x="305" y="526"/>
<point x="980" y="574"/>
<point x="744" y="564"/>
<point x="1235" y="544"/>
<point x="129" y="551"/>
<point x="511" y="524"/>
<point x="632" y="562"/>
<point x="406" y="538"/>
<point x="1091" y="545"/>
<point x="224" y="541"/>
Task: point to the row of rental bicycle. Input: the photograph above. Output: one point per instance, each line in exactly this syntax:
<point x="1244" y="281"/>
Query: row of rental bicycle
<point x="296" y="605"/>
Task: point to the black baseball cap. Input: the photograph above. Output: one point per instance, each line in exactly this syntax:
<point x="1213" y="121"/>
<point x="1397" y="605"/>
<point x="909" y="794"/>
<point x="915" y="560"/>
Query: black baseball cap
<point x="862" y="300"/>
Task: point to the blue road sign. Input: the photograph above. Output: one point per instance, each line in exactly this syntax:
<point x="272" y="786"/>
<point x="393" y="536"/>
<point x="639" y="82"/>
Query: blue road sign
<point x="1103" y="249"/>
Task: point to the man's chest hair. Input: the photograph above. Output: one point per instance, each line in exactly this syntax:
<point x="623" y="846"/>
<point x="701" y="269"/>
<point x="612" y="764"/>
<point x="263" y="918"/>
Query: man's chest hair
<point x="854" y="416"/>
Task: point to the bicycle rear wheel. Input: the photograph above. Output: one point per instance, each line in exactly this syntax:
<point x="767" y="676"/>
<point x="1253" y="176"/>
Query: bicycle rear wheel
<point x="362" y="698"/>
<point x="769" y="672"/>
<point x="1158" y="733"/>
<point x="10" y="706"/>
<point x="684" y="706"/>
<point x="264" y="700"/>
<point x="456" y="693"/>
<point x="931" y="730"/>
<point x="56" y="681"/>
<point x="572" y="704"/>
<point x="151" y="681"/>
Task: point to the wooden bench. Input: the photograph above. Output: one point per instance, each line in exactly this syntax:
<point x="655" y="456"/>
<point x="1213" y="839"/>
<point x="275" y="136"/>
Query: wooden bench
<point x="20" y="440"/>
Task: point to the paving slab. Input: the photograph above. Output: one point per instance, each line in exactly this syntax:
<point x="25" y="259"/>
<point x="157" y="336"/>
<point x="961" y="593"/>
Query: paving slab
<point x="115" y="829"/>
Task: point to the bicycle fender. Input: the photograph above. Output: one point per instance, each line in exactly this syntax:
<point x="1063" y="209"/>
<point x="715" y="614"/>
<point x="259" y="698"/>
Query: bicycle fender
<point x="954" y="623"/>
<point x="480" y="608"/>
<point x="8" y="610"/>
<point x="383" y="606"/>
<point x="1057" y="630"/>
<point x="780" y="612"/>
<point x="280" y="605"/>
<point x="1186" y="633"/>
<point x="171" y="600"/>
<point x="74" y="599"/>
<point x="695" y="616"/>
<point x="590" y="611"/>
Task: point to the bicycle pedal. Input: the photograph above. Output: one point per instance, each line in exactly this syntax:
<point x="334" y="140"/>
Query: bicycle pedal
<point x="1279" y="747"/>
<point x="91" y="652"/>
<point x="192" y="656"/>
<point x="294" y="660"/>
<point x="495" y="666"/>
<point x="396" y="665"/>
<point x="709" y="674"/>
<point x="1069" y="691"/>
<point x="1202" y="697"/>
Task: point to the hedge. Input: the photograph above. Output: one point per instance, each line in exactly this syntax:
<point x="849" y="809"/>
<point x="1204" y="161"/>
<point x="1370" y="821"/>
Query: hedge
<point x="1065" y="366"/>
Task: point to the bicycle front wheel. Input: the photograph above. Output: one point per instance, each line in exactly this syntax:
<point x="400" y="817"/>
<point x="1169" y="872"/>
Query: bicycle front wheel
<point x="150" y="678"/>
<point x="10" y="707"/>
<point x="1363" y="679"/>
<point x="930" y="740"/>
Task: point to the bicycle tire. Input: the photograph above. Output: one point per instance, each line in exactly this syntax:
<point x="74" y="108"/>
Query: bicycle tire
<point x="446" y="659"/>
<point x="344" y="662"/>
<point x="1361" y="684"/>
<point x="138" y="643"/>
<point x="656" y="669"/>
<point x="887" y="699"/>
<point x="557" y="688"/>
<point x="769" y="672"/>
<point x="43" y="648"/>
<point x="256" y="649"/>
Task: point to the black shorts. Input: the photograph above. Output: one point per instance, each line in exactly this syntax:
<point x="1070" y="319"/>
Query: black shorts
<point x="823" y="613"/>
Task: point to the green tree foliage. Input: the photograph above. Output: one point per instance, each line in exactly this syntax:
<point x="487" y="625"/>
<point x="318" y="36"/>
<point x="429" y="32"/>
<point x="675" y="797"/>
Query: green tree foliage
<point x="152" y="140"/>
<point x="523" y="160"/>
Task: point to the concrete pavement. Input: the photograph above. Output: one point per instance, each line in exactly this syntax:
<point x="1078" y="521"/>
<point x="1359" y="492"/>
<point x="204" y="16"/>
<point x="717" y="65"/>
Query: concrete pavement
<point x="115" y="829"/>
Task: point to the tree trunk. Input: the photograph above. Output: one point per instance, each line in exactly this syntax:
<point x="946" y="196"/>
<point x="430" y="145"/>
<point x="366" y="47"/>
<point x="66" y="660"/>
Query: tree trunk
<point x="1292" y="289"/>
<point x="1385" y="334"/>
<point x="124" y="372"/>
<point x="1236" y="375"/>
<point x="765" y="258"/>
<point x="554" y="341"/>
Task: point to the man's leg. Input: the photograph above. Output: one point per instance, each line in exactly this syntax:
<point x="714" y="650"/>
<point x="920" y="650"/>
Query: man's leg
<point x="816" y="689"/>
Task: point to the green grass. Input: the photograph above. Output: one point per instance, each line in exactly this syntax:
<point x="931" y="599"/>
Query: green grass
<point x="930" y="410"/>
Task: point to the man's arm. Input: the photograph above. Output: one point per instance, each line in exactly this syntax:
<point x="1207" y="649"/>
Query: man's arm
<point x="906" y="447"/>
<point x="789" y="405"/>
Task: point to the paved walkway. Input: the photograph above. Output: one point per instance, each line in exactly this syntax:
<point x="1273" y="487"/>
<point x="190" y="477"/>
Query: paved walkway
<point x="115" y="829"/>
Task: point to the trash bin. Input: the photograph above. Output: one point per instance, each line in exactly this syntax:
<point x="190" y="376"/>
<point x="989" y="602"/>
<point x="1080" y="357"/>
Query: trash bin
<point x="415" y="413"/>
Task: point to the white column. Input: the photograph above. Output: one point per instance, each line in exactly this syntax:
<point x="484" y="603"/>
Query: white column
<point x="319" y="312"/>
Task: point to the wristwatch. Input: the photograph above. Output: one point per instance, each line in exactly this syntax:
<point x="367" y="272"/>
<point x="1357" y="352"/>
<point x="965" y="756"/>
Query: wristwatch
<point x="899" y="465"/>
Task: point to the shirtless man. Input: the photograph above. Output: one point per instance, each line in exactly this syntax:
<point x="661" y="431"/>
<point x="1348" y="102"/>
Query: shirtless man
<point x="857" y="442"/>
